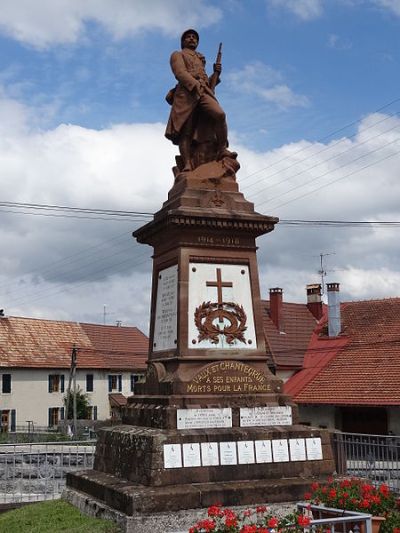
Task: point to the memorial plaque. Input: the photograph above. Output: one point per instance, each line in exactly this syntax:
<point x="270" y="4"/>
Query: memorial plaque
<point x="204" y="418"/>
<point x="220" y="297"/>
<point x="228" y="453"/>
<point x="209" y="454"/>
<point x="225" y="377"/>
<point x="314" y="449"/>
<point x="172" y="456"/>
<point x="280" y="451"/>
<point x="263" y="451"/>
<point x="246" y="452"/>
<point x="165" y="324"/>
<point x="191" y="454"/>
<point x="273" y="415"/>
<point x="297" y="449"/>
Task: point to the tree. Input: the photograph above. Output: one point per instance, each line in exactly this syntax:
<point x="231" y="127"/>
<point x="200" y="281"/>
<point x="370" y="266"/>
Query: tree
<point x="82" y="405"/>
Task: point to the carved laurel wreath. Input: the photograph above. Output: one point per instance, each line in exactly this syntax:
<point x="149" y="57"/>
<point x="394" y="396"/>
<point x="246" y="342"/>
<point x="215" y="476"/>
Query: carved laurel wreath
<point x="208" y="312"/>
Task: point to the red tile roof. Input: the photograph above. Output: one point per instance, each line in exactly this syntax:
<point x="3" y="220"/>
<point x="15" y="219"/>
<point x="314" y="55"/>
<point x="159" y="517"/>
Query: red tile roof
<point x="289" y="345"/>
<point x="37" y="343"/>
<point x="361" y="367"/>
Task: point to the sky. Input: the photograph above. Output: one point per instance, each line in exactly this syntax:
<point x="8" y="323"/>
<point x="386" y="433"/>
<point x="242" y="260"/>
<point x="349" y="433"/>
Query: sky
<point x="311" y="89"/>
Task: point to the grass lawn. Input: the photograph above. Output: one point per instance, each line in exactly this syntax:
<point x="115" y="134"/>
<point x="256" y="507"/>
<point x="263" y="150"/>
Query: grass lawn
<point x="51" y="517"/>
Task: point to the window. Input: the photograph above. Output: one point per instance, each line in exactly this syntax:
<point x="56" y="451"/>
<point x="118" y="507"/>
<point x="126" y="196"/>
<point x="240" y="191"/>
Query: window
<point x="6" y="383"/>
<point x="55" y="415"/>
<point x="92" y="412"/>
<point x="56" y="382"/>
<point x="89" y="382"/>
<point x="114" y="383"/>
<point x="134" y="379"/>
<point x="7" y="420"/>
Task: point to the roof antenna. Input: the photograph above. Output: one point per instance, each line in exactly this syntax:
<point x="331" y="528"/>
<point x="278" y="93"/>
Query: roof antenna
<point x="322" y="271"/>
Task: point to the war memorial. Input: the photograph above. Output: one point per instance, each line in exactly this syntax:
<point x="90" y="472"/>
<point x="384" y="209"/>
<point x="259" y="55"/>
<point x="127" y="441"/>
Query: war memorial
<point x="211" y="422"/>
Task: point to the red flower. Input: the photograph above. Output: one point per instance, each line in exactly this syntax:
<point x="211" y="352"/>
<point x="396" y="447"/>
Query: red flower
<point x="307" y="496"/>
<point x="249" y="529"/>
<point x="247" y="512"/>
<point x="214" y="510"/>
<point x="384" y="490"/>
<point x="261" y="509"/>
<point x="303" y="520"/>
<point x="332" y="494"/>
<point x="314" y="486"/>
<point x="272" y="522"/>
<point x="264" y="530"/>
<point x="208" y="525"/>
<point x="365" y="503"/>
<point x="345" y="483"/>
<point x="231" y="521"/>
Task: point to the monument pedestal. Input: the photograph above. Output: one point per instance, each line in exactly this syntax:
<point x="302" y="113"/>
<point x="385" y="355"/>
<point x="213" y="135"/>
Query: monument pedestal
<point x="211" y="423"/>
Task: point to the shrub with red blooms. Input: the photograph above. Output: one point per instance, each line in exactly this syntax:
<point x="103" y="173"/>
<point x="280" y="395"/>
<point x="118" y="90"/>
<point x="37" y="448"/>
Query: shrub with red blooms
<point x="358" y="495"/>
<point x="260" y="520"/>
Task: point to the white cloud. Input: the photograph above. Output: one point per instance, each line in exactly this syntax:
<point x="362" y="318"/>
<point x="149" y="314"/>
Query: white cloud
<point x="46" y="22"/>
<point x="263" y="81"/>
<point x="392" y="5"/>
<point x="339" y="43"/>
<point x="68" y="268"/>
<point x="303" y="9"/>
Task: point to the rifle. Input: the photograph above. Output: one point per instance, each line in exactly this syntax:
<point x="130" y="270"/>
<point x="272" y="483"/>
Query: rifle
<point x="215" y="77"/>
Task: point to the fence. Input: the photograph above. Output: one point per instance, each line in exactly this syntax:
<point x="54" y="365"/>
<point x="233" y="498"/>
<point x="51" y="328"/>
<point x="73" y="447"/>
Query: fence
<point x="32" y="472"/>
<point x="338" y="521"/>
<point x="376" y="457"/>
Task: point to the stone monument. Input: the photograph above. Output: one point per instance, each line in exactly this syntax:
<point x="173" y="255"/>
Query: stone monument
<point x="211" y="423"/>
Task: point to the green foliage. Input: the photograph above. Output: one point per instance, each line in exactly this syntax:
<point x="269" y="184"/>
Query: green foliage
<point x="53" y="517"/>
<point x="82" y="405"/>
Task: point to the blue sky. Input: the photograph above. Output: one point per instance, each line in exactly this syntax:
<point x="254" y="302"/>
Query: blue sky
<point x="82" y="112"/>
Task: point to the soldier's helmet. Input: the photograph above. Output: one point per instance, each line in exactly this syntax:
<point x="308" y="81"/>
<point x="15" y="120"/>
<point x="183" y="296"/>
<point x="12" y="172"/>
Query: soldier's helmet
<point x="190" y="30"/>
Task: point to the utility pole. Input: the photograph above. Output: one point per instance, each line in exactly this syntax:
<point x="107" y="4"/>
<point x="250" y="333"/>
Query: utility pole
<point x="72" y="381"/>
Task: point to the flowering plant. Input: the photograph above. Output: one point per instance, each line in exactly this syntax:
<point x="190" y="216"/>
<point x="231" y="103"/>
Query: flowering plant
<point x="259" y="520"/>
<point x="353" y="495"/>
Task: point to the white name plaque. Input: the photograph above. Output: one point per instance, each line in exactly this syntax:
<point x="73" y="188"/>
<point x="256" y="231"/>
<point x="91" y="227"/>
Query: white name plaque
<point x="273" y="415"/>
<point x="209" y="454"/>
<point x="263" y="451"/>
<point x="246" y="452"/>
<point x="165" y="325"/>
<point x="228" y="453"/>
<point x="280" y="450"/>
<point x="297" y="449"/>
<point x="191" y="454"/>
<point x="172" y="456"/>
<point x="204" y="418"/>
<point x="314" y="449"/>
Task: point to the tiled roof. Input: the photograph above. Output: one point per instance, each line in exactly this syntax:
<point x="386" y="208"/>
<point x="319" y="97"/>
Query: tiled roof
<point x="38" y="343"/>
<point x="289" y="345"/>
<point x="362" y="366"/>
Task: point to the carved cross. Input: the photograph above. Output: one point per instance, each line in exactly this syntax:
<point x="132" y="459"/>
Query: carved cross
<point x="219" y="284"/>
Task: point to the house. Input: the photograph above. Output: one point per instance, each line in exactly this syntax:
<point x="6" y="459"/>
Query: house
<point x="35" y="360"/>
<point x="288" y="328"/>
<point x="350" y="378"/>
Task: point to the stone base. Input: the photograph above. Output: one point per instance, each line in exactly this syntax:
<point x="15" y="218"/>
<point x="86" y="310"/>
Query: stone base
<point x="133" y="499"/>
<point x="136" y="454"/>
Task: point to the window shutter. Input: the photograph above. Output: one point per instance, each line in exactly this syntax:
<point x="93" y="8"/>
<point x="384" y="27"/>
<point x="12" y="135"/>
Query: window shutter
<point x="13" y="420"/>
<point x="50" y="383"/>
<point x="62" y="382"/>
<point x="95" y="412"/>
<point x="50" y="410"/>
<point x="120" y="383"/>
<point x="0" y="418"/>
<point x="109" y="384"/>
<point x="89" y="382"/>
<point x="132" y="382"/>
<point x="62" y="412"/>
<point x="6" y="383"/>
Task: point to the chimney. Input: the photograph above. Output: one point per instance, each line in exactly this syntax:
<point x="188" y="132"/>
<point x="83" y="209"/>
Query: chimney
<point x="334" y="326"/>
<point x="314" y="301"/>
<point x="275" y="306"/>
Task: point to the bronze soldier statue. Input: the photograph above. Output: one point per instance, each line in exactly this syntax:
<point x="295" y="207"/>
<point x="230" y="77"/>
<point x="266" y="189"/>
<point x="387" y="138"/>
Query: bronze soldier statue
<point x="197" y="122"/>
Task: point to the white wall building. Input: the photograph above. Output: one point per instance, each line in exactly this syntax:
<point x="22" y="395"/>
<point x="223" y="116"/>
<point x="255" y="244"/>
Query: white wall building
<point x="35" y="359"/>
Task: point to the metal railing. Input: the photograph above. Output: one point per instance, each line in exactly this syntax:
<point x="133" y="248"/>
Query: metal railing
<point x="33" y="472"/>
<point x="335" y="520"/>
<point x="376" y="457"/>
